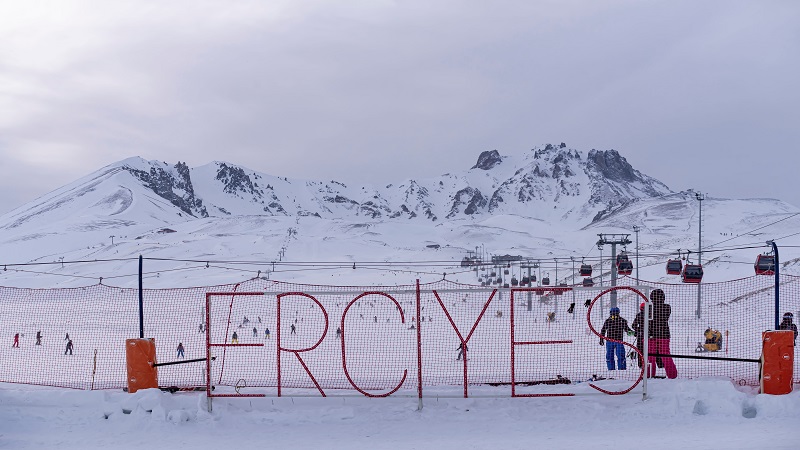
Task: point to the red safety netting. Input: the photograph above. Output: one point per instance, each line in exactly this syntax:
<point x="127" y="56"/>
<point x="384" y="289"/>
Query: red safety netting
<point x="380" y="340"/>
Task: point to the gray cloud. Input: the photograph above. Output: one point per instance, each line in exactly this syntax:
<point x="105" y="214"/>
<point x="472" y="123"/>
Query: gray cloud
<point x="697" y="94"/>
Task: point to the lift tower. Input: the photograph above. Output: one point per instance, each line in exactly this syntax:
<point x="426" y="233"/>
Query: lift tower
<point x="613" y="240"/>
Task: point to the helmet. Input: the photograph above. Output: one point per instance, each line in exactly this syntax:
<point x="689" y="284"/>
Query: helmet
<point x="788" y="315"/>
<point x="641" y="306"/>
<point x="614" y="311"/>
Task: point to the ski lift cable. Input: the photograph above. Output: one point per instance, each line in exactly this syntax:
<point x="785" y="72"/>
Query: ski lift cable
<point x="757" y="229"/>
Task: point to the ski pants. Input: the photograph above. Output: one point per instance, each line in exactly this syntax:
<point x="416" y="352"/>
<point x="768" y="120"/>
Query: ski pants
<point x="615" y="348"/>
<point x="661" y="346"/>
<point x="180" y="354"/>
<point x="640" y="347"/>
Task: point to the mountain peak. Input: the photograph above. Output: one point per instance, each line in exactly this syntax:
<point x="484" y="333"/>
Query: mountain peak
<point x="612" y="165"/>
<point x="487" y="160"/>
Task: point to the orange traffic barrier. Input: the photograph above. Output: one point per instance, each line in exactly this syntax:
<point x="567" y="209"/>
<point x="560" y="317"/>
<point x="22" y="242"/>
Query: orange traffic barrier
<point x="777" y="362"/>
<point x="140" y="355"/>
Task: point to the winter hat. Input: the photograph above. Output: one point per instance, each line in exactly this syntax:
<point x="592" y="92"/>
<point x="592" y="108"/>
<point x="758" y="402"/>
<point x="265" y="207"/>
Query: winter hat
<point x="614" y="311"/>
<point x="788" y="315"/>
<point x="657" y="295"/>
<point x="641" y="306"/>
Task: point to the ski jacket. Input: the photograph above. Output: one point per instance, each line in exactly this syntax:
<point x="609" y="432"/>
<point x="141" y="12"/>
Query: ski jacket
<point x="638" y="326"/>
<point x="614" y="327"/>
<point x="788" y="325"/>
<point x="659" y="326"/>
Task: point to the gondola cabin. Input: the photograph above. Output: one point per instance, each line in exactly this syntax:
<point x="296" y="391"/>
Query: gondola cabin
<point x="546" y="281"/>
<point x="586" y="270"/>
<point x="765" y="265"/>
<point x="588" y="282"/>
<point x="674" y="267"/>
<point x="624" y="265"/>
<point x="525" y="281"/>
<point x="560" y="292"/>
<point x="514" y="281"/>
<point x="692" y="273"/>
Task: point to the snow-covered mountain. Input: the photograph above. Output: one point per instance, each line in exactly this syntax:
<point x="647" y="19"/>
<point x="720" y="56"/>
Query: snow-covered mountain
<point x="549" y="182"/>
<point x="548" y="202"/>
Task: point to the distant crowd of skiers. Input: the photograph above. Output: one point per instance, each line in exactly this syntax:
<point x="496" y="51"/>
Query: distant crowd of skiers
<point x="612" y="333"/>
<point x="39" y="336"/>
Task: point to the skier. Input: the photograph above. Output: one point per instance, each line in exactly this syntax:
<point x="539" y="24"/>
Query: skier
<point x="612" y="330"/>
<point x="235" y="338"/>
<point x="659" y="335"/>
<point x="66" y="338"/>
<point x="293" y="329"/>
<point x="200" y="329"/>
<point x="462" y="347"/>
<point x="266" y="333"/>
<point x="338" y="332"/>
<point x="16" y="341"/>
<point x="259" y="319"/>
<point x="39" y="337"/>
<point x="255" y="332"/>
<point x="788" y="325"/>
<point x="180" y="350"/>
<point x="69" y="347"/>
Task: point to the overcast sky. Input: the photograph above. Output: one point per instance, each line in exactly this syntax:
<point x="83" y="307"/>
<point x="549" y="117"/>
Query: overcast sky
<point x="699" y="94"/>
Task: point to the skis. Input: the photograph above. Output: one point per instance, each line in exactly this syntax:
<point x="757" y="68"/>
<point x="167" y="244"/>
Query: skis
<point x="174" y="389"/>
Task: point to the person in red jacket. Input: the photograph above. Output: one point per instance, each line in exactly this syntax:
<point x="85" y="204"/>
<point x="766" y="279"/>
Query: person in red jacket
<point x="16" y="341"/>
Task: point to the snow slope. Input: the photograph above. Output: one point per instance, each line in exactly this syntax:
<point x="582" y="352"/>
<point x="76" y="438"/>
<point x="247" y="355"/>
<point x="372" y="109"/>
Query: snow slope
<point x="706" y="413"/>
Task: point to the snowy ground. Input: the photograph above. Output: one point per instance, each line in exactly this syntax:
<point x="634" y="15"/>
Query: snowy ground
<point x="703" y="413"/>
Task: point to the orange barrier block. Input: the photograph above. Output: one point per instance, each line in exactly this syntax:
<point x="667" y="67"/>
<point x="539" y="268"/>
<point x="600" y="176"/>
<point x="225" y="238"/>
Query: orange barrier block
<point x="140" y="355"/>
<point x="777" y="362"/>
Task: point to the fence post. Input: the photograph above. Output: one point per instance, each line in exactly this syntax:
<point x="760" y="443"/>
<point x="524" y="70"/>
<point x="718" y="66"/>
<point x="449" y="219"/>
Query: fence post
<point x="419" y="351"/>
<point x="646" y="347"/>
<point x="777" y="286"/>
<point x="141" y="302"/>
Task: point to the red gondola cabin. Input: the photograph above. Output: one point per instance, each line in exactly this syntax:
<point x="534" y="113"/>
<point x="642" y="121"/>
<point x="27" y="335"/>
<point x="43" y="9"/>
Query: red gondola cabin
<point x="624" y="265"/>
<point x="765" y="265"/>
<point x="674" y="267"/>
<point x="692" y="273"/>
